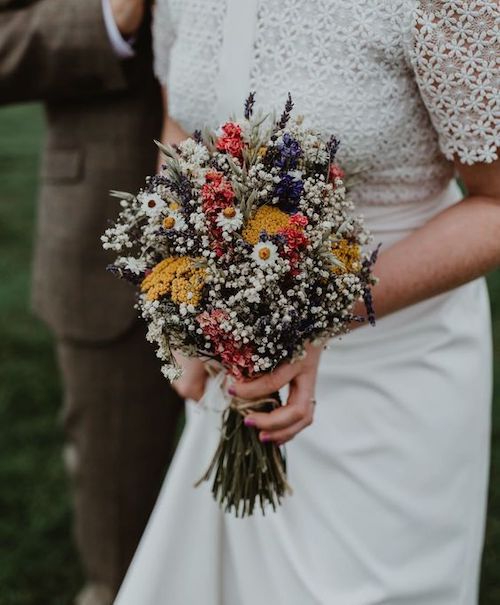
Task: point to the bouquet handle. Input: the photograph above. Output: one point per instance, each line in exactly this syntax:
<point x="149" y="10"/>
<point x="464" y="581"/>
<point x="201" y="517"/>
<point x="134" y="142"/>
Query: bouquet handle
<point x="246" y="472"/>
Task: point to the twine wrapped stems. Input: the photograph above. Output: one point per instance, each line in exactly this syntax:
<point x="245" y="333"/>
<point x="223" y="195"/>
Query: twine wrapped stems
<point x="247" y="472"/>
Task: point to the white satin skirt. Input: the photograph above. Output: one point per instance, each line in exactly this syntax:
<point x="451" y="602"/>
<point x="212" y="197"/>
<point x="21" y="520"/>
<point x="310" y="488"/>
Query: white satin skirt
<point x="390" y="481"/>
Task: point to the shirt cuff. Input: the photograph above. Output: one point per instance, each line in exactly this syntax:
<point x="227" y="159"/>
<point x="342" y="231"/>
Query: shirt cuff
<point x="122" y="48"/>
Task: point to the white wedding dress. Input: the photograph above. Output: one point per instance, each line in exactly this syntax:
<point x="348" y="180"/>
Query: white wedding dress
<point x="390" y="481"/>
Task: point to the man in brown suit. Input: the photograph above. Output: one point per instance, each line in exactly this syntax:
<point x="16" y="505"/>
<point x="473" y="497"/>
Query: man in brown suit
<point x="103" y="113"/>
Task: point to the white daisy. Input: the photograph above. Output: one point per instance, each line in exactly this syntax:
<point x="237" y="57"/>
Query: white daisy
<point x="265" y="254"/>
<point x="135" y="265"/>
<point x="152" y="204"/>
<point x="230" y="219"/>
<point x="175" y="220"/>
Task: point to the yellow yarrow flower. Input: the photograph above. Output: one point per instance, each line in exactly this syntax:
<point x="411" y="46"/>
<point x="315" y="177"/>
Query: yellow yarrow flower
<point x="267" y="218"/>
<point x="188" y="289"/>
<point x="348" y="254"/>
<point x="178" y="277"/>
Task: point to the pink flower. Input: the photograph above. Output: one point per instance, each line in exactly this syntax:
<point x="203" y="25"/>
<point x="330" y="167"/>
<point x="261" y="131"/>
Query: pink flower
<point x="335" y="172"/>
<point x="237" y="359"/>
<point x="234" y="355"/>
<point x="231" y="141"/>
<point x="212" y="319"/>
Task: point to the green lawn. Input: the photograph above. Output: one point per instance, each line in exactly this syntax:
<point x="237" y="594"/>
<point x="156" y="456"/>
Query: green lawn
<point x="38" y="564"/>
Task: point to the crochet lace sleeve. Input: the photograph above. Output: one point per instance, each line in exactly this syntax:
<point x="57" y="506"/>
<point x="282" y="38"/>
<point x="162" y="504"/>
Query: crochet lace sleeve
<point x="456" y="58"/>
<point x="163" y="37"/>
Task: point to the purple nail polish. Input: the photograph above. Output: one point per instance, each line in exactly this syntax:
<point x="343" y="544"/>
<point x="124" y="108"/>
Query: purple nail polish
<point x="265" y="438"/>
<point x="249" y="422"/>
<point x="231" y="390"/>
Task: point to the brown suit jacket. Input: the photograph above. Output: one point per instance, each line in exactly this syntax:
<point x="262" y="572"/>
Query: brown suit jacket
<point x="102" y="116"/>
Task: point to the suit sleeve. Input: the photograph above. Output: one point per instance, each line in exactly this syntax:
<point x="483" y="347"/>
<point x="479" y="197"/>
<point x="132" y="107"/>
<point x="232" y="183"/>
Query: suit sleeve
<point x="53" y="49"/>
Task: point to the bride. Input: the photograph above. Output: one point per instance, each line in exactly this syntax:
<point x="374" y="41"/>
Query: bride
<point x="390" y="479"/>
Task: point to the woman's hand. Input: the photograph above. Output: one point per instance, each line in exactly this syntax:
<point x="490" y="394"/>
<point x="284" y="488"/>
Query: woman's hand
<point x="281" y="425"/>
<point x="191" y="385"/>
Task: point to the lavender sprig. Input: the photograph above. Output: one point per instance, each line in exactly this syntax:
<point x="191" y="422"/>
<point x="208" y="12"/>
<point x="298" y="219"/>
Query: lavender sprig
<point x="367" y="292"/>
<point x="285" y="116"/>
<point x="332" y="147"/>
<point x="249" y="105"/>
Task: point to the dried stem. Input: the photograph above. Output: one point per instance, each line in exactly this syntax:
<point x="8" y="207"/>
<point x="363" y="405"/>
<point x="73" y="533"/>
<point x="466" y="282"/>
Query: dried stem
<point x="245" y="471"/>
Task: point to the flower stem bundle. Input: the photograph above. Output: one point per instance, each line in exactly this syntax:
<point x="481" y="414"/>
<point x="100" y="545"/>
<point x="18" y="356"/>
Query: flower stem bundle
<point x="246" y="472"/>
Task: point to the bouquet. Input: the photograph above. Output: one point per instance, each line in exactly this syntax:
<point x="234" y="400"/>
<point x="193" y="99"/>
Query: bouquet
<point x="244" y="249"/>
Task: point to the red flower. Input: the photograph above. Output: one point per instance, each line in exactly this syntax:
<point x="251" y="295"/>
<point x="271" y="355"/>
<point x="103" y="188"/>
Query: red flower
<point x="296" y="241"/>
<point x="299" y="220"/>
<point x="217" y="194"/>
<point x="231" y="141"/>
<point x="214" y="177"/>
<point x="217" y="190"/>
<point x="335" y="172"/>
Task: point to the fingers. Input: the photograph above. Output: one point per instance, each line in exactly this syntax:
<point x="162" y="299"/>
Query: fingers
<point x="282" y="437"/>
<point x="280" y="418"/>
<point x="284" y="423"/>
<point x="273" y="381"/>
<point x="267" y="384"/>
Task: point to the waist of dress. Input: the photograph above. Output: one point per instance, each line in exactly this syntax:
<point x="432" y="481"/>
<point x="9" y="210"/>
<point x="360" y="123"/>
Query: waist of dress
<point x="390" y="223"/>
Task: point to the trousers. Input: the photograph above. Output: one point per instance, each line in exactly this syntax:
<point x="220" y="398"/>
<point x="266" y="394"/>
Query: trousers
<point x="120" y="418"/>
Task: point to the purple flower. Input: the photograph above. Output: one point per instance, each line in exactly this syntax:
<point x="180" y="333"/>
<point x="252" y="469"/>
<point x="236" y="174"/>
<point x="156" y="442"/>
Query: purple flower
<point x="289" y="190"/>
<point x="289" y="152"/>
<point x="285" y="116"/>
<point x="332" y="147"/>
<point x="279" y="240"/>
<point x="249" y="105"/>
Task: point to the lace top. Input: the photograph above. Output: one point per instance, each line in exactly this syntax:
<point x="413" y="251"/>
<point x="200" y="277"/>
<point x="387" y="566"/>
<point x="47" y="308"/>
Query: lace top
<point x="406" y="85"/>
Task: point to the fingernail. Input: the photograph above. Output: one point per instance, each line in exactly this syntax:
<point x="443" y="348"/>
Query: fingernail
<point x="249" y="422"/>
<point x="265" y="438"/>
<point x="231" y="390"/>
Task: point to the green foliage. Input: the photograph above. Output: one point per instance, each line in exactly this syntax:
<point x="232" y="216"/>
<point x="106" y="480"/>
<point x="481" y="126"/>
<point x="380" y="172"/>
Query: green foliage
<point x="38" y="563"/>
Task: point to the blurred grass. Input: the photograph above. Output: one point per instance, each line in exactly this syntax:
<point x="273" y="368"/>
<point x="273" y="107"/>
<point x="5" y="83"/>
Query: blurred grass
<point x="38" y="563"/>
